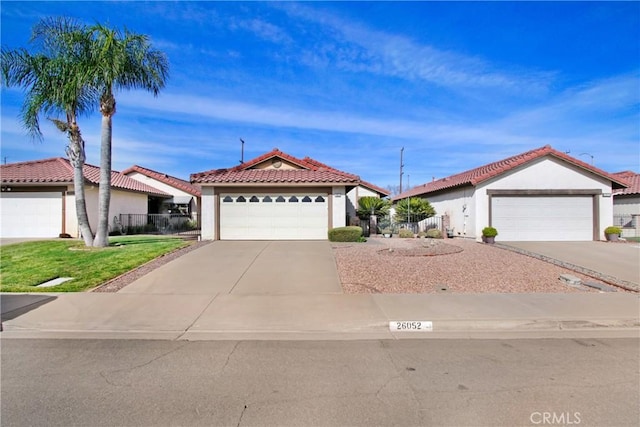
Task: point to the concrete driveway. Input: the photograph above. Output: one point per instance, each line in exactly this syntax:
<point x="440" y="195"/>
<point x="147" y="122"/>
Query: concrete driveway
<point x="246" y="267"/>
<point x="619" y="260"/>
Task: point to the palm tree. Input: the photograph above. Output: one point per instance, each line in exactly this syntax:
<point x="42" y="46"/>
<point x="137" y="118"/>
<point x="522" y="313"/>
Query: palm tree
<point x="372" y="205"/>
<point x="121" y="61"/>
<point x="56" y="82"/>
<point x="413" y="209"/>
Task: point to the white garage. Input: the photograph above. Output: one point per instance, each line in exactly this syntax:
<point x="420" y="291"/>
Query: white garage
<point x="31" y="214"/>
<point x="277" y="216"/>
<point x="549" y="218"/>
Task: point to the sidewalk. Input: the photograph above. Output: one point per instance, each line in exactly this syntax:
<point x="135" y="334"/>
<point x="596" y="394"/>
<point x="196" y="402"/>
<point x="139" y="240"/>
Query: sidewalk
<point x="321" y="316"/>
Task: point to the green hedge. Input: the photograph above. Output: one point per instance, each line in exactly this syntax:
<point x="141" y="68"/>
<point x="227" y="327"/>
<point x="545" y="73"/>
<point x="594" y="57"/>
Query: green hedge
<point x="345" y="234"/>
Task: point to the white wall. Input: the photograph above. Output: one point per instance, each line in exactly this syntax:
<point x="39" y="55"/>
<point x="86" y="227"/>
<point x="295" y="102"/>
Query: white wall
<point x="71" y="217"/>
<point x="544" y="174"/>
<point x="122" y="202"/>
<point x="626" y="205"/>
<point x="459" y="205"/>
<point x="339" y="200"/>
<point x="208" y="213"/>
<point x="164" y="187"/>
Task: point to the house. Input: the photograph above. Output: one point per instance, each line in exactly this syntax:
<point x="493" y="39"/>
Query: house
<point x="626" y="204"/>
<point x="38" y="199"/>
<point x="277" y="196"/>
<point x="185" y="198"/>
<point x="543" y="194"/>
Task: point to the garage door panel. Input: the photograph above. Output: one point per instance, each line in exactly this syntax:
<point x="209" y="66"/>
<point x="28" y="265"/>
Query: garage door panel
<point x="300" y="216"/>
<point x="31" y="214"/>
<point x="531" y="218"/>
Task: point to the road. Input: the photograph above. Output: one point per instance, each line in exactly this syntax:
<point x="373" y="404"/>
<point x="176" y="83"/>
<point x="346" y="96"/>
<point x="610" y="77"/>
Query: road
<point x="586" y="382"/>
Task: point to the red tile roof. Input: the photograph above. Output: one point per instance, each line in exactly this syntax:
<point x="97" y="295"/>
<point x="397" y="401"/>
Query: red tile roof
<point x="633" y="181"/>
<point x="58" y="170"/>
<point x="491" y="170"/>
<point x="312" y="171"/>
<point x="178" y="183"/>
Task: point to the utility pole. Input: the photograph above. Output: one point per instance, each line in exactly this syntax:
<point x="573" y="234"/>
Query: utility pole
<point x="401" y="166"/>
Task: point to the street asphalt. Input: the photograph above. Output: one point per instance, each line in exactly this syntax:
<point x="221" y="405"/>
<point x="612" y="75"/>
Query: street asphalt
<point x="291" y="290"/>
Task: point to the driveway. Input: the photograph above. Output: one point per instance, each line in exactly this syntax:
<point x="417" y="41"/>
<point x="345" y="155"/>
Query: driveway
<point x="246" y="267"/>
<point x="619" y="260"/>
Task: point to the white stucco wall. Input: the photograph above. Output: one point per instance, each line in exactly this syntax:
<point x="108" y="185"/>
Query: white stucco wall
<point x="339" y="201"/>
<point x="122" y="202"/>
<point x="71" y="218"/>
<point x="626" y="205"/>
<point x="208" y="214"/>
<point x="544" y="174"/>
<point x="459" y="205"/>
<point x="164" y="187"/>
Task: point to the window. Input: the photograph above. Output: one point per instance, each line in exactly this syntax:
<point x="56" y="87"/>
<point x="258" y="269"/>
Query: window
<point x="227" y="199"/>
<point x="280" y="199"/>
<point x="241" y="199"/>
<point x="306" y="199"/>
<point x="293" y="199"/>
<point x="254" y="199"/>
<point x="319" y="199"/>
<point x="266" y="199"/>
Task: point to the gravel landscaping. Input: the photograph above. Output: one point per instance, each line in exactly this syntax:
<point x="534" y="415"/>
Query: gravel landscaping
<point x="453" y="265"/>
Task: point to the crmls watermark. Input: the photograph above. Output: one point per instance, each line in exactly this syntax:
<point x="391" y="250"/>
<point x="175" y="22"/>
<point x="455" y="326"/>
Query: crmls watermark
<point x="555" y="418"/>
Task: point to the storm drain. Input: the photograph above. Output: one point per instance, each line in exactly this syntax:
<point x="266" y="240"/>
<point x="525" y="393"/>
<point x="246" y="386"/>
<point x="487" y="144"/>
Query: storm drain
<point x="54" y="282"/>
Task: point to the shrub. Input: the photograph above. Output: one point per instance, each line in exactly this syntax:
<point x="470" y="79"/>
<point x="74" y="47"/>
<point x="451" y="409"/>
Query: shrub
<point x="489" y="232"/>
<point x="612" y="229"/>
<point x="345" y="234"/>
<point x="434" y="233"/>
<point x="422" y="234"/>
<point x="405" y="234"/>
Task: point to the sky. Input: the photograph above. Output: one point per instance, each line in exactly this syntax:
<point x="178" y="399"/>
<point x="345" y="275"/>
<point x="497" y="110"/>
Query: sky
<point x="457" y="84"/>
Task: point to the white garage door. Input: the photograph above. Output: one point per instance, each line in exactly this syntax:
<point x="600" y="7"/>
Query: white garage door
<point x="535" y="218"/>
<point x="300" y="216"/>
<point x="31" y="214"/>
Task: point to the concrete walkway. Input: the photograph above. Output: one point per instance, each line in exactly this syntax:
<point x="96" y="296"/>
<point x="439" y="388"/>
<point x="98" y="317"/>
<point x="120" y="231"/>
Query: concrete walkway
<point x="291" y="290"/>
<point x="618" y="260"/>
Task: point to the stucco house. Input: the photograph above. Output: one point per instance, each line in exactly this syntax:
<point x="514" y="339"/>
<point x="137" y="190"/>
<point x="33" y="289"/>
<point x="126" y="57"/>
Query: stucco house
<point x="38" y="198"/>
<point x="540" y="195"/>
<point x="626" y="204"/>
<point x="185" y="196"/>
<point x="277" y="196"/>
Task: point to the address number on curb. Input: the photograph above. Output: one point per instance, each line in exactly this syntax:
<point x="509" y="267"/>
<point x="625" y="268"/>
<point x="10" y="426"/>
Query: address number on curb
<point x="411" y="325"/>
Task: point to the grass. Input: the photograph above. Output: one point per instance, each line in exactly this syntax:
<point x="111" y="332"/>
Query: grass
<point x="23" y="266"/>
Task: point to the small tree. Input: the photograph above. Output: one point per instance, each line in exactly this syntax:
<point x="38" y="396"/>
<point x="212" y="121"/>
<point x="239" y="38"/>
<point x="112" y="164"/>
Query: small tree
<point x="413" y="209"/>
<point x="371" y="205"/>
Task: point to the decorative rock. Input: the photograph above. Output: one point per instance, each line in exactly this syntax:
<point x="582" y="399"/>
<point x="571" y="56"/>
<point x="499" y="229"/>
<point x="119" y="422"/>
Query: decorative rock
<point x="571" y="280"/>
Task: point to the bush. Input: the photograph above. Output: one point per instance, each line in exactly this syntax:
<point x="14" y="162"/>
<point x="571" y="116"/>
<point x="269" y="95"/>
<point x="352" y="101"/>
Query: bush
<point x="434" y="233"/>
<point x="422" y="234"/>
<point x="489" y="232"/>
<point x="345" y="234"/>
<point x="405" y="234"/>
<point x="612" y="229"/>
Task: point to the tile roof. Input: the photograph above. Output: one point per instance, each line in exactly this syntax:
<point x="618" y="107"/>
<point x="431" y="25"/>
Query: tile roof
<point x="178" y="183"/>
<point x="491" y="170"/>
<point x="58" y="170"/>
<point x="633" y="181"/>
<point x="312" y="171"/>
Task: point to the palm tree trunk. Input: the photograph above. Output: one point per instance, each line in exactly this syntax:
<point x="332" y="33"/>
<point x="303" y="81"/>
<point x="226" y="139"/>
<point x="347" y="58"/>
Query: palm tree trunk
<point x="75" y="152"/>
<point x="104" y="192"/>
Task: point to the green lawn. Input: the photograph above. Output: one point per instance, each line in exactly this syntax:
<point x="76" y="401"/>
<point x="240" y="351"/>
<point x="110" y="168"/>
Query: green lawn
<point x="23" y="266"/>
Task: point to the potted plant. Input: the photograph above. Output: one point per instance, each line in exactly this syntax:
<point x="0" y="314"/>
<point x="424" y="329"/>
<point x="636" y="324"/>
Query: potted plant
<point x="612" y="233"/>
<point x="489" y="234"/>
<point x="386" y="232"/>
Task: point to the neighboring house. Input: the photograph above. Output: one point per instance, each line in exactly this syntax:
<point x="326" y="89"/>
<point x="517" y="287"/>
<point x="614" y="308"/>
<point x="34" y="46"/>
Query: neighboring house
<point x="185" y="198"/>
<point x="276" y="197"/>
<point x="539" y="195"/>
<point x="38" y="199"/>
<point x="626" y="204"/>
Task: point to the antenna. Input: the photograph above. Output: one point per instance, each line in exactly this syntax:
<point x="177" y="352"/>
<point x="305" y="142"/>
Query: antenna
<point x="242" y="151"/>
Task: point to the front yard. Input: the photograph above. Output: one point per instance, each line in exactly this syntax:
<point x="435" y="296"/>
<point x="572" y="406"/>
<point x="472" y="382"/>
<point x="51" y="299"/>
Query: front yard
<point x="453" y="265"/>
<point x="23" y="266"/>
